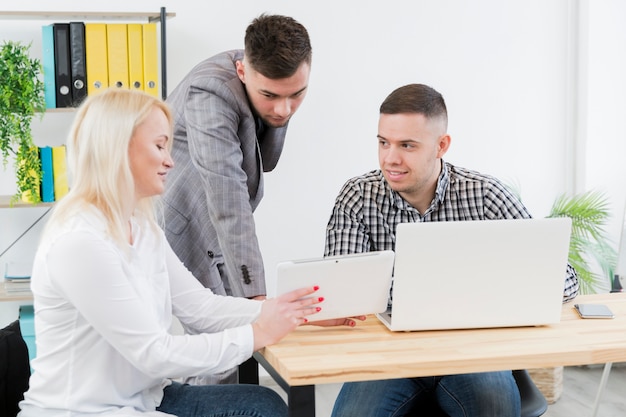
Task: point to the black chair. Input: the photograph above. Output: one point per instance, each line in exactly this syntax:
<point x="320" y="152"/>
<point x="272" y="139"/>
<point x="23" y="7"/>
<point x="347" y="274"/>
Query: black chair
<point x="14" y="369"/>
<point x="534" y="404"/>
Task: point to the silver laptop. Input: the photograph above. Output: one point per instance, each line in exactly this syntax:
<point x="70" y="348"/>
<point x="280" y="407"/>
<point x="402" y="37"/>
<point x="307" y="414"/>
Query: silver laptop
<point x="352" y="285"/>
<point x="478" y="274"/>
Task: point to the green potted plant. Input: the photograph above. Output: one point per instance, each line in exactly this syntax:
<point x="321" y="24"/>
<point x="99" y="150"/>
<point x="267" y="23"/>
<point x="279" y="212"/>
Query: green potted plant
<point x="21" y="97"/>
<point x="589" y="243"/>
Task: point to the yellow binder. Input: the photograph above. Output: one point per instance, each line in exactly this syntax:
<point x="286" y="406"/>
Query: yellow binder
<point x="59" y="172"/>
<point x="96" y="57"/>
<point x="135" y="56"/>
<point x="117" y="48"/>
<point x="150" y="60"/>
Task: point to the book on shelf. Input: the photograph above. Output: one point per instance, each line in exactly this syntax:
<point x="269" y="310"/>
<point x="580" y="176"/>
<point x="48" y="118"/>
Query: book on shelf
<point x="17" y="271"/>
<point x="96" y="57"/>
<point x="47" y="178"/>
<point x="150" y="61"/>
<point x="62" y="64"/>
<point x="47" y="62"/>
<point x="78" y="69"/>
<point x="17" y="289"/>
<point x="59" y="172"/>
<point x="117" y="48"/>
<point x="135" y="56"/>
<point x="13" y="287"/>
<point x="17" y="277"/>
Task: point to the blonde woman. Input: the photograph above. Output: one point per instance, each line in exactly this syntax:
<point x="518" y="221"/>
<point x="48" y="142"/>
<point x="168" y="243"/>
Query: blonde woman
<point x="106" y="286"/>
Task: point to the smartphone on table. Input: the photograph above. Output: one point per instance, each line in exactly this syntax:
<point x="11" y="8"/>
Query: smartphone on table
<point x="594" y="311"/>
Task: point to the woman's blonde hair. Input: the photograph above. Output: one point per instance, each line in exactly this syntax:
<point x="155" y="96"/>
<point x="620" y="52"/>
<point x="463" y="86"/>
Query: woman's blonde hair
<point x="98" y="161"/>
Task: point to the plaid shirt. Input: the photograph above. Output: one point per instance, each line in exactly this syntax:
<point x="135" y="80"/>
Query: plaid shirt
<point x="367" y="211"/>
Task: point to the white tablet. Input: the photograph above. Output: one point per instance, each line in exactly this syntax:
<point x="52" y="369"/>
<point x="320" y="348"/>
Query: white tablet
<point x="352" y="285"/>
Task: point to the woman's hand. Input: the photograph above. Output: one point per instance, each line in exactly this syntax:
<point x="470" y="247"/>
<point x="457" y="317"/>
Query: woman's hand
<point x="283" y="314"/>
<point x="347" y="321"/>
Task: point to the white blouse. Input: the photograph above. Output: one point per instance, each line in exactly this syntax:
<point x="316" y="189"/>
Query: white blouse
<point x="102" y="320"/>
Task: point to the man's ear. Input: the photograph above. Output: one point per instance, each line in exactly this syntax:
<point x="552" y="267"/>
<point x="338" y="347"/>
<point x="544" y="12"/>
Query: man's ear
<point x="443" y="144"/>
<point x="241" y="70"/>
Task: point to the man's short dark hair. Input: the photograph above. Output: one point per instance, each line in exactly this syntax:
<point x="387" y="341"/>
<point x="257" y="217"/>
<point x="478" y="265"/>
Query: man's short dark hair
<point x="416" y="98"/>
<point x="277" y="45"/>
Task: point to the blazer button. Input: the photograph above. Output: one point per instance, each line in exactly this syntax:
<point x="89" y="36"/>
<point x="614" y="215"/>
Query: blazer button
<point x="246" y="274"/>
<point x="211" y="254"/>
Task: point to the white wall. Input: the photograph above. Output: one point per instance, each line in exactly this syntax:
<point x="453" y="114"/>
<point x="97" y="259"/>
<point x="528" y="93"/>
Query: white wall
<point x="508" y="71"/>
<point x="605" y="156"/>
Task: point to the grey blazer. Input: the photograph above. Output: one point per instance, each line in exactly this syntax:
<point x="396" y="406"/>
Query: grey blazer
<point x="220" y="153"/>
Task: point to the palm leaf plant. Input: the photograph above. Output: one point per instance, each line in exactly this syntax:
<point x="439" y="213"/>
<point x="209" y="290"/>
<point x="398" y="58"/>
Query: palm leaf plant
<point x="589" y="243"/>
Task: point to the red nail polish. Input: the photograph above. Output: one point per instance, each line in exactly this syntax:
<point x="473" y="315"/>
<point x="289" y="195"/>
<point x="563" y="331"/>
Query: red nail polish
<point x="318" y="308"/>
<point x="317" y="287"/>
<point x="320" y="299"/>
<point x="305" y="320"/>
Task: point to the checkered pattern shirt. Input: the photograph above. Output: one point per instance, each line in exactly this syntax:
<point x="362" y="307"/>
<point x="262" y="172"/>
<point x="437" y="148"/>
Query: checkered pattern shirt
<point x="367" y="211"/>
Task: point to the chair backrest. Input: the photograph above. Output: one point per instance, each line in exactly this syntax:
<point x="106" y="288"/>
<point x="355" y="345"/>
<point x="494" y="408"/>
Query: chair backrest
<point x="14" y="369"/>
<point x="534" y="404"/>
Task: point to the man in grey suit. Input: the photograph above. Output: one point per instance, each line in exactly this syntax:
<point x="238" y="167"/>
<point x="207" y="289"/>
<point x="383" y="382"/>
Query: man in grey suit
<point x="231" y="114"/>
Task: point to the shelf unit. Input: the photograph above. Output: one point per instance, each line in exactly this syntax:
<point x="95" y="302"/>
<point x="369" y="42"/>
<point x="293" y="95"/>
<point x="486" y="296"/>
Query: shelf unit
<point x="160" y="17"/>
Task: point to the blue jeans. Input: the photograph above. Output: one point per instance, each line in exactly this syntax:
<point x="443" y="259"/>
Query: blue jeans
<point x="185" y="400"/>
<point x="489" y="394"/>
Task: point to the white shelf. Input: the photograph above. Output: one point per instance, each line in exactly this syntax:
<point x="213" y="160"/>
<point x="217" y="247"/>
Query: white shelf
<point x="160" y="16"/>
<point x="5" y="202"/>
<point x="108" y="16"/>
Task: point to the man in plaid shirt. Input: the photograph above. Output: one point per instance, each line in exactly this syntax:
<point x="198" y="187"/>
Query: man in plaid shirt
<point x="414" y="184"/>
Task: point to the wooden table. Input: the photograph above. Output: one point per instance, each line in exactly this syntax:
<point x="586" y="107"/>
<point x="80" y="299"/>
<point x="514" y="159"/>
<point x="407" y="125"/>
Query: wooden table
<point x="314" y="355"/>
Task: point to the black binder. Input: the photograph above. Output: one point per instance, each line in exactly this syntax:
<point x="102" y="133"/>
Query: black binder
<point x="62" y="64"/>
<point x="78" y="68"/>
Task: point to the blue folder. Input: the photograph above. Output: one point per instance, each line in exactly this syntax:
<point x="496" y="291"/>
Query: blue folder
<point x="47" y="178"/>
<point x="47" y="61"/>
